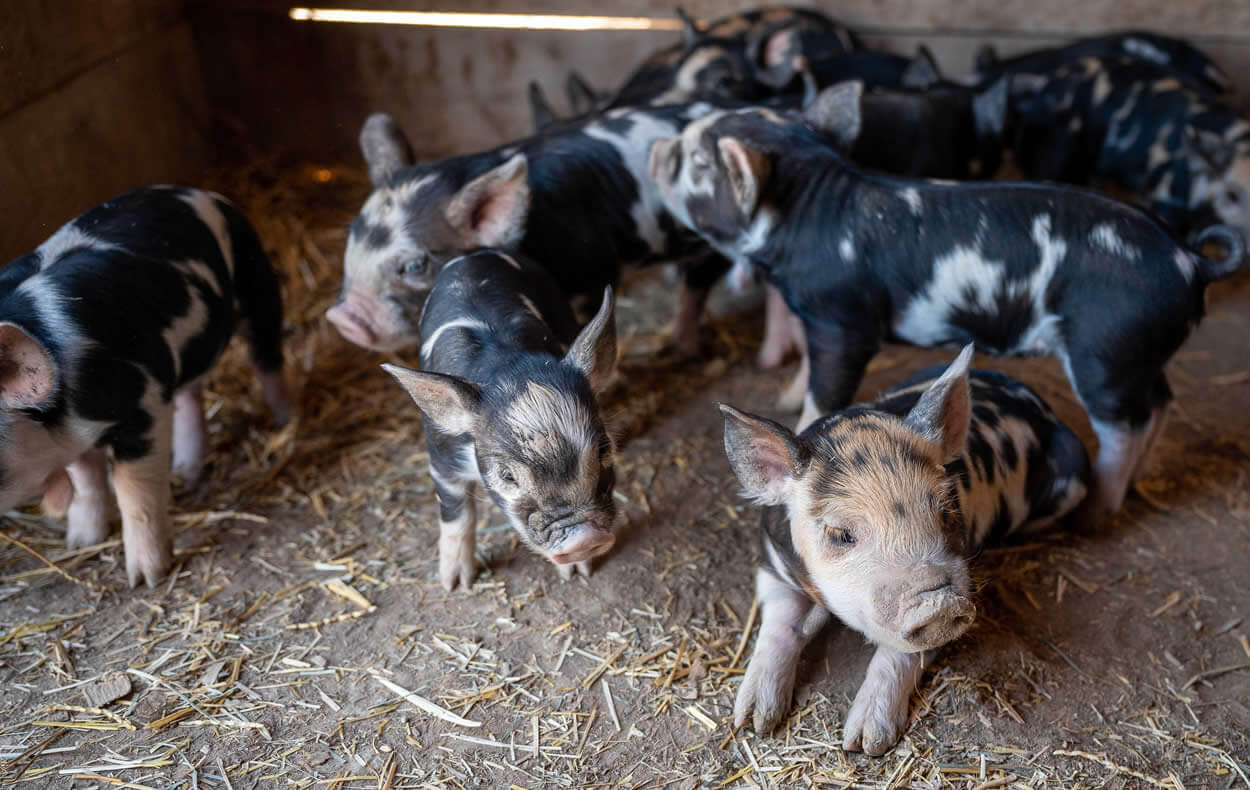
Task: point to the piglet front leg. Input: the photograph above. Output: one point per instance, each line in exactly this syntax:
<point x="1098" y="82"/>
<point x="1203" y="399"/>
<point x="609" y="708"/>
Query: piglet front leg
<point x="788" y="622"/>
<point x="878" y="715"/>
<point x="91" y="507"/>
<point x="566" y="571"/>
<point x="143" y="494"/>
<point x="457" y="536"/>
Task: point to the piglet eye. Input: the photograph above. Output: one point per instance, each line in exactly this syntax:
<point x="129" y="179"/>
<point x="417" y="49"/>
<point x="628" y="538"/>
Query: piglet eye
<point x="505" y="474"/>
<point x="416" y="267"/>
<point x="1233" y="196"/>
<point x="839" y="536"/>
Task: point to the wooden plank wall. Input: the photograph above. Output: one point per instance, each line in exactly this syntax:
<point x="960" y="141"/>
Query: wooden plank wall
<point x="97" y="98"/>
<point x="310" y="85"/>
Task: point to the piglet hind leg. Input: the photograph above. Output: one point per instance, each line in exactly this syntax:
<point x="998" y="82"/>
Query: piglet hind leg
<point x="190" y="434"/>
<point x="778" y="333"/>
<point x="878" y="715"/>
<point x="457" y="537"/>
<point x="143" y="495"/>
<point x="837" y="357"/>
<point x="788" y="622"/>
<point x="91" y="507"/>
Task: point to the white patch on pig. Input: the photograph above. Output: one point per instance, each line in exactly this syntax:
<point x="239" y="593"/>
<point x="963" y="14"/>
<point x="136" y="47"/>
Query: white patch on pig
<point x="508" y="259"/>
<point x="182" y="329"/>
<point x="846" y="249"/>
<point x="962" y="278"/>
<point x="457" y="323"/>
<point x="57" y="320"/>
<point x="1102" y="88"/>
<point x="544" y="415"/>
<point x="205" y="207"/>
<point x="911" y="197"/>
<point x="741" y="275"/>
<point x="1145" y="50"/>
<point x="368" y="266"/>
<point x="66" y="239"/>
<point x="1104" y="235"/>
<point x="757" y="233"/>
<point x="203" y="272"/>
<point x="776" y="565"/>
<point x="684" y="85"/>
<point x="635" y="150"/>
<point x="1186" y="264"/>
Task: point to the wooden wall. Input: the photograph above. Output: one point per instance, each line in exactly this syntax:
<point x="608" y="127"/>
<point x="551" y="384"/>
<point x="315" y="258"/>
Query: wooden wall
<point x="97" y="97"/>
<point x="306" y="87"/>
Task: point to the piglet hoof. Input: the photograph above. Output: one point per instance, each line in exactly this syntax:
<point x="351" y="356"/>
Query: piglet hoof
<point x="188" y="470"/>
<point x="454" y="567"/>
<point x="766" y="690"/>
<point x="148" y="561"/>
<point x="88" y="525"/>
<point x="876" y="720"/>
<point x="567" y="571"/>
<point x="277" y="398"/>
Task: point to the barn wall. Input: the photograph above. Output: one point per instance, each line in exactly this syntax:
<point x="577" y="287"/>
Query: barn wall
<point x="305" y="87"/>
<point x="97" y="98"/>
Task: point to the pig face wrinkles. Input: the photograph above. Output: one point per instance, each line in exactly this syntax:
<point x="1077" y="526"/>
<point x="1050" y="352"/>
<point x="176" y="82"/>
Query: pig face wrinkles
<point x="871" y="520"/>
<point x="546" y="460"/>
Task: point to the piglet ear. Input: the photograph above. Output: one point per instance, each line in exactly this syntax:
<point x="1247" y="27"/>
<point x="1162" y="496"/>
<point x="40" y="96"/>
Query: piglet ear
<point x="385" y="147"/>
<point x="747" y="169"/>
<point x="765" y="456"/>
<point x="922" y="71"/>
<point x="942" y="414"/>
<point x="989" y="108"/>
<point x="27" y="374"/>
<point x="452" y="405"/>
<point x="540" y="108"/>
<point x="594" y="350"/>
<point x="690" y="34"/>
<point x="836" y="112"/>
<point x="582" y="98"/>
<point x="490" y="210"/>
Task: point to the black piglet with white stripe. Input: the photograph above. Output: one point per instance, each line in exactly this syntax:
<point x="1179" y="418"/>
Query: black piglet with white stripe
<point x="507" y="392"/>
<point x="106" y="331"/>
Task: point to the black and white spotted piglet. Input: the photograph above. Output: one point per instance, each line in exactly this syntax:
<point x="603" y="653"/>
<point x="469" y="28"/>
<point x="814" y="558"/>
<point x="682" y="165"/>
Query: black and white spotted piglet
<point x="106" y="331"/>
<point x="507" y="394"/>
<point x="1018" y="269"/>
<point x="872" y="514"/>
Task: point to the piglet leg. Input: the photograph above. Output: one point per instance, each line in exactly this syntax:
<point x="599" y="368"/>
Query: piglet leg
<point x="58" y="493"/>
<point x="457" y="536"/>
<point x="92" y="504"/>
<point x="1120" y="451"/>
<point x="274" y="390"/>
<point x="685" y="331"/>
<point x="190" y="434"/>
<point x="878" y="715"/>
<point x="566" y="571"/>
<point x="143" y="494"/>
<point x="788" y="622"/>
<point x="778" y="335"/>
<point x="792" y="397"/>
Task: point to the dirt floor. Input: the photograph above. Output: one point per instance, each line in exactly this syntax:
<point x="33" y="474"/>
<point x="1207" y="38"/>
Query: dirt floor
<point x="306" y="577"/>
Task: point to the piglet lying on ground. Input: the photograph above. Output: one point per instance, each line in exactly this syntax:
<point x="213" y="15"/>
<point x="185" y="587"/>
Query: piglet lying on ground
<point x="106" y="331"/>
<point x="507" y="394"/>
<point x="872" y="513"/>
<point x="1018" y="269"/>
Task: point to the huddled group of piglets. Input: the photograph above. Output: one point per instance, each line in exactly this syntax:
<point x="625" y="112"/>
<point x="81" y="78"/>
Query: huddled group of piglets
<point x="767" y="145"/>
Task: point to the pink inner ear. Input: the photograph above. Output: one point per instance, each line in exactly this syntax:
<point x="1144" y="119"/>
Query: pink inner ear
<point x="777" y="48"/>
<point x="496" y="217"/>
<point x="25" y="371"/>
<point x="773" y="464"/>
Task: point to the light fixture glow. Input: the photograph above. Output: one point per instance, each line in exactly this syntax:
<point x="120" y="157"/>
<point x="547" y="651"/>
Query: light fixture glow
<point x="483" y="20"/>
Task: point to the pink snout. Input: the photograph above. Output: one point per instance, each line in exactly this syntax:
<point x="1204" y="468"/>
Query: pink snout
<point x="584" y="541"/>
<point x="353" y="324"/>
<point x="937" y="617"/>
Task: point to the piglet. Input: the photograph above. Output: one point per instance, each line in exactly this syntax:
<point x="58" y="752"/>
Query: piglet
<point x="871" y="515"/>
<point x="507" y="394"/>
<point x="106" y="331"/>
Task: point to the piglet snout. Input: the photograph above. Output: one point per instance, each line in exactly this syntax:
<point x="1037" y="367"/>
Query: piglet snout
<point x="582" y="542"/>
<point x="937" y="616"/>
<point x="352" y="323"/>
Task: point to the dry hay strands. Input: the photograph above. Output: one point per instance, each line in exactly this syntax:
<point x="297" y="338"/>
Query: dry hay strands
<point x="422" y="703"/>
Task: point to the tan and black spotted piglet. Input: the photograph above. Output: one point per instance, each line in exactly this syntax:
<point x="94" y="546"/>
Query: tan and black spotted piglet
<point x="872" y="514"/>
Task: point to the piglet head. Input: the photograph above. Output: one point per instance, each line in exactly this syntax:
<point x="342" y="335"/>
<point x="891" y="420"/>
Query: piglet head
<point x="29" y="381"/>
<point x="539" y="443"/>
<point x="1226" y="163"/>
<point x="868" y="499"/>
<point x="418" y="218"/>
